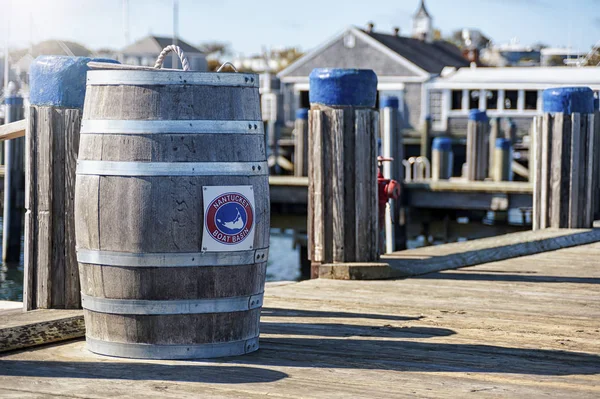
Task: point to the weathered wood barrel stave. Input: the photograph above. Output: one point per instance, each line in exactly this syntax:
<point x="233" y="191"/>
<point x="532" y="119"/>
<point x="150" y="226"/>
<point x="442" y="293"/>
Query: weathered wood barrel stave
<point x="153" y="144"/>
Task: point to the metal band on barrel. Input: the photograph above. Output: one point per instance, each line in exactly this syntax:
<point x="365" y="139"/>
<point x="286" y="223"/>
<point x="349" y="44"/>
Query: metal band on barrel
<point x="108" y="126"/>
<point x="172" y="259"/>
<point x="116" y="168"/>
<point x="180" y="306"/>
<point x="152" y="351"/>
<point x="133" y="77"/>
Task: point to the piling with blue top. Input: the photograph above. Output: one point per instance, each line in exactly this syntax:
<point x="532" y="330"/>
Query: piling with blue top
<point x="477" y="145"/>
<point x="442" y="159"/>
<point x="565" y="157"/>
<point x="301" y="143"/>
<point x="343" y="132"/>
<point x="57" y="92"/>
<point x="14" y="181"/>
<point x="501" y="169"/>
<point x="596" y="173"/>
<point x="393" y="147"/>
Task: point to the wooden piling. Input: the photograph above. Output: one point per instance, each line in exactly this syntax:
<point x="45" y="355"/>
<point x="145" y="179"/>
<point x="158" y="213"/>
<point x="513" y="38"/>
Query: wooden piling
<point x="494" y="134"/>
<point x="343" y="214"/>
<point x="14" y="182"/>
<point x="596" y="171"/>
<point x="301" y="143"/>
<point x="565" y="156"/>
<point x="501" y="169"/>
<point x="477" y="145"/>
<point x="442" y="159"/>
<point x="393" y="147"/>
<point x="52" y="142"/>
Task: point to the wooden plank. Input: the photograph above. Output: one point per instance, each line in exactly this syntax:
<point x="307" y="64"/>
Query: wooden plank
<point x="338" y="130"/>
<point x="316" y="230"/>
<point x="576" y="172"/>
<point x="535" y="166"/>
<point x="72" y="296"/>
<point x="13" y="130"/>
<point x="559" y="172"/>
<point x="20" y="330"/>
<point x="57" y="210"/>
<point x="425" y="260"/>
<point x="546" y="169"/>
<point x="44" y="207"/>
<point x="30" y="234"/>
<point x="589" y="182"/>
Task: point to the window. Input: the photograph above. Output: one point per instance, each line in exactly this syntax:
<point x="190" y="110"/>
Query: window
<point x="492" y="99"/>
<point x="531" y="97"/>
<point x="304" y="101"/>
<point x="457" y="96"/>
<point x="510" y="99"/>
<point x="474" y="99"/>
<point x="435" y="106"/>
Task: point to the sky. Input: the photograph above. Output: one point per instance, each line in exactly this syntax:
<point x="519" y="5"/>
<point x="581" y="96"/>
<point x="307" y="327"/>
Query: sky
<point x="248" y="26"/>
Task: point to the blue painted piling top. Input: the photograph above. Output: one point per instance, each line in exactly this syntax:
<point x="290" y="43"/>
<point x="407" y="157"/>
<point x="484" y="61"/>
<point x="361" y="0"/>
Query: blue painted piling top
<point x="569" y="100"/>
<point x="59" y="81"/>
<point x="302" y="113"/>
<point x="14" y="100"/>
<point x="343" y="87"/>
<point x="477" y="115"/>
<point x="389" y="102"/>
<point x="503" y="143"/>
<point x="441" y="144"/>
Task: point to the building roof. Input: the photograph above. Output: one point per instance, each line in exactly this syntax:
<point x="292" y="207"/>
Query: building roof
<point x="431" y="57"/>
<point x="422" y="11"/>
<point x="155" y="44"/>
<point x="539" y="77"/>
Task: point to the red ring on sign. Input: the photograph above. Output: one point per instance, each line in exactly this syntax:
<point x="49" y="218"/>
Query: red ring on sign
<point x="212" y="225"/>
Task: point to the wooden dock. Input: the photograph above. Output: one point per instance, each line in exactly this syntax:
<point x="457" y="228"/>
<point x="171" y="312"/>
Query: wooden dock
<point x="523" y="327"/>
<point x="449" y="194"/>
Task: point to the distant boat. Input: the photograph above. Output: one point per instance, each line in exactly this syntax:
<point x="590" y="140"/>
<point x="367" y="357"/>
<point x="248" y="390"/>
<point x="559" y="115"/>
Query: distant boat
<point x="236" y="224"/>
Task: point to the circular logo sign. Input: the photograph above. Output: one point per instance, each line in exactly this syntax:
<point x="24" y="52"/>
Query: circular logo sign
<point x="229" y="218"/>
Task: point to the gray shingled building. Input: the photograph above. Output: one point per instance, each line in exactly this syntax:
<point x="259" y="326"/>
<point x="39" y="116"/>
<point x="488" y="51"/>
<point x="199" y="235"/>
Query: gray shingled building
<point x="402" y="64"/>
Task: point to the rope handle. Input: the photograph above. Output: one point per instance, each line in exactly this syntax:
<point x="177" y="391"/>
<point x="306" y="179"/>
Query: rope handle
<point x="177" y="50"/>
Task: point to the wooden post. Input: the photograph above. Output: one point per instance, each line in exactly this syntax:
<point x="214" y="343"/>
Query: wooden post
<point x="442" y="159"/>
<point x="426" y="138"/>
<point x="565" y="155"/>
<point x="393" y="147"/>
<point x="342" y="209"/>
<point x="301" y="143"/>
<point x="14" y="182"/>
<point x="502" y="166"/>
<point x="596" y="172"/>
<point x="477" y="145"/>
<point x="52" y="142"/>
<point x="494" y="134"/>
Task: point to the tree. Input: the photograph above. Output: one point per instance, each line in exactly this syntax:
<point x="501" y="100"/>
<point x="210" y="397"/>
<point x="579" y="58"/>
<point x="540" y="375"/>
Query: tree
<point x="215" y="50"/>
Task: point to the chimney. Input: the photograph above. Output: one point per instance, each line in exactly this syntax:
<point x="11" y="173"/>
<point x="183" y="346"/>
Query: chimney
<point x="370" y="27"/>
<point x="396" y="31"/>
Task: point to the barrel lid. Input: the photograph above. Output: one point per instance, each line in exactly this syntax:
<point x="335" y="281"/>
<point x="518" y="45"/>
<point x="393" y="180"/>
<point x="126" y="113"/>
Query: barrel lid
<point x="102" y="75"/>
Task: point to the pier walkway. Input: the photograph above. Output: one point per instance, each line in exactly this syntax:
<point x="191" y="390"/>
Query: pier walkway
<point x="523" y="327"/>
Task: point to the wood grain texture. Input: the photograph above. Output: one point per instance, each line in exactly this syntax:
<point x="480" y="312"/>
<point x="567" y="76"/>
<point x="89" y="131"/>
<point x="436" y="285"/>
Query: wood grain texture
<point x="301" y="147"/>
<point x="517" y="328"/>
<point x="576" y="172"/>
<point x="165" y="214"/>
<point x="20" y="330"/>
<point x="596" y="166"/>
<point x="44" y="208"/>
<point x="30" y="234"/>
<point x="13" y="130"/>
<point x="339" y="184"/>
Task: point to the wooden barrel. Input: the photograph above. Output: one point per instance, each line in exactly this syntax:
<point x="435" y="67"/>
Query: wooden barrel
<point x="172" y="213"/>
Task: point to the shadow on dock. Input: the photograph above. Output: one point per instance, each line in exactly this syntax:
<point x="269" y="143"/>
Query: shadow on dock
<point x="280" y="312"/>
<point x="410" y="356"/>
<point x="140" y="371"/>
<point x="349" y="330"/>
<point x="522" y="278"/>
